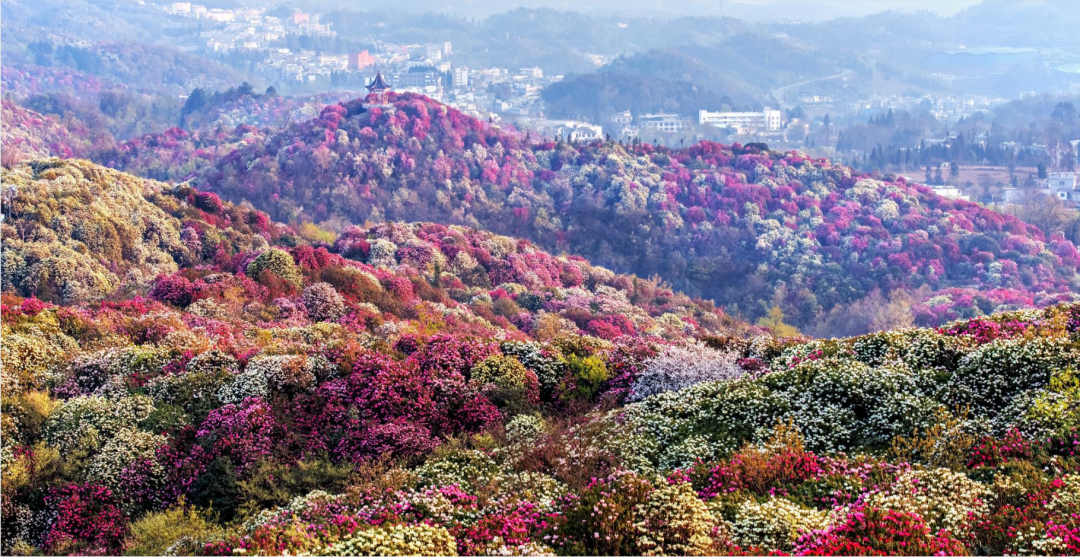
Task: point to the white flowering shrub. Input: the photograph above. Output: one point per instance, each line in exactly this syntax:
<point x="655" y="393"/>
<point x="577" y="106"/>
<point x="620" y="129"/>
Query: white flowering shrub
<point x="382" y="253"/>
<point x="119" y="452"/>
<point x="252" y="382"/>
<point x="289" y="371"/>
<point x="397" y="539"/>
<point x="463" y="468"/>
<point x="943" y="498"/>
<point x="524" y="428"/>
<point x="498" y="548"/>
<point x="837" y="405"/>
<point x="989" y="377"/>
<point x="90" y="421"/>
<point x="91" y="371"/>
<point x="323" y="303"/>
<point x="679" y="367"/>
<point x="674" y="521"/>
<point x="774" y="524"/>
<point x="926" y="349"/>
<point x="286" y="372"/>
<point x="213" y="361"/>
<point x="199" y="386"/>
<point x="540" y="488"/>
<point x="549" y="369"/>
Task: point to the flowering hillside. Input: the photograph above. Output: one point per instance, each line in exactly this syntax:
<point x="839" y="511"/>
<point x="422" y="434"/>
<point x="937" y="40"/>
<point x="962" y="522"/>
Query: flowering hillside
<point x="27" y="134"/>
<point x="78" y="232"/>
<point x="422" y="389"/>
<point x="745" y="227"/>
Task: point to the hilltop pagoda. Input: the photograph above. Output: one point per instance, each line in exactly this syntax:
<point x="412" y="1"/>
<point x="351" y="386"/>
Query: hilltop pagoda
<point x="379" y="88"/>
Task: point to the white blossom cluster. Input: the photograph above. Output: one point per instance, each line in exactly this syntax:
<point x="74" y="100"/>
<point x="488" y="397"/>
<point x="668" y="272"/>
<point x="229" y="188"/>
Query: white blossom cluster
<point x="679" y="367"/>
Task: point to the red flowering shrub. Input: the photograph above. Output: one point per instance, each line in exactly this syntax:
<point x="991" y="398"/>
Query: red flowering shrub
<point x="872" y="531"/>
<point x="993" y="452"/>
<point x="87" y="521"/>
<point x="173" y="289"/>
<point x="758" y="471"/>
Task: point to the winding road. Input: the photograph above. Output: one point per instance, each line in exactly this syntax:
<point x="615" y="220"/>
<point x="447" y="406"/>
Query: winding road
<point x="778" y="93"/>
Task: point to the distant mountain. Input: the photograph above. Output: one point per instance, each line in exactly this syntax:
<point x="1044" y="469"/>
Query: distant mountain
<point x="597" y="96"/>
<point x="737" y="71"/>
<point x="746" y="227"/>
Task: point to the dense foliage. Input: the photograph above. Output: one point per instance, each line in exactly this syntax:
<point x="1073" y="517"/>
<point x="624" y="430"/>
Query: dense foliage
<point x="744" y="226"/>
<point x="226" y="385"/>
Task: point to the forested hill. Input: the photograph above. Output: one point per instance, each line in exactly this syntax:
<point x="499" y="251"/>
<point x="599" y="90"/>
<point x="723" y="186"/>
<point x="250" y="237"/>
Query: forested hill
<point x="749" y="228"/>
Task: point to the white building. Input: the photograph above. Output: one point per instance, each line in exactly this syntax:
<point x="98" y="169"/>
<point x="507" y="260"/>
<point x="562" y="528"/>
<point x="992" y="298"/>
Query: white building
<point x="1061" y="185"/>
<point x="460" y="78"/>
<point x="950" y="192"/>
<point x="224" y="16"/>
<point x="534" y="72"/>
<point x="575" y="130"/>
<point x="624" y="118"/>
<point x="768" y="120"/>
<point x="1061" y="181"/>
<point x="669" y="123"/>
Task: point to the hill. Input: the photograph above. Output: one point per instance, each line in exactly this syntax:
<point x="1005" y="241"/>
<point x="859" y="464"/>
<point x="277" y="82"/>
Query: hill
<point x="746" y="227"/>
<point x="27" y="134"/>
<point x="200" y="380"/>
<point x="78" y="232"/>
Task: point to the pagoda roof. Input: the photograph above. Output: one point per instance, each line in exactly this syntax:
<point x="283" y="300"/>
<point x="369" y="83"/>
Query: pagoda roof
<point x="378" y="84"/>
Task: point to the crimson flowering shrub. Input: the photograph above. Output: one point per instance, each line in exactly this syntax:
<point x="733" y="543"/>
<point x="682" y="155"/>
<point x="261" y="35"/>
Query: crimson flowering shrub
<point x="87" y="521"/>
<point x="173" y="289"/>
<point x="772" y="472"/>
<point x="994" y="452"/>
<point x="873" y="531"/>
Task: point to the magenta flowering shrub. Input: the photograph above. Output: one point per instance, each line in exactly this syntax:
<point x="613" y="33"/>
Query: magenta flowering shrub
<point x="244" y="432"/>
<point x="87" y="521"/>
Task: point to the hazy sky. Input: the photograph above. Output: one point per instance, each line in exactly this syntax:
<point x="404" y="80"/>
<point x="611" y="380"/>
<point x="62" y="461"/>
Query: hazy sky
<point x="867" y="7"/>
<point x="750" y="10"/>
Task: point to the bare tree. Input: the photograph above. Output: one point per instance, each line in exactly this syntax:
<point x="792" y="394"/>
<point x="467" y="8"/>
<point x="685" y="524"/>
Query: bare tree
<point x="1047" y="212"/>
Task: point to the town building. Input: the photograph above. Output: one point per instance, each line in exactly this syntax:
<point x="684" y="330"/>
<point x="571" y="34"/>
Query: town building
<point x="419" y="77"/>
<point x="623" y="118"/>
<point x="1061" y="185"/>
<point x="768" y="120"/>
<point x="581" y="131"/>
<point x="360" y="60"/>
<point x="460" y="77"/>
<point x="950" y="192"/>
<point x="534" y="72"/>
<point x="669" y="123"/>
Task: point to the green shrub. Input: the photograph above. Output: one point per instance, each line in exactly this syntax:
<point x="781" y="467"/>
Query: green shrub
<point x="155" y="533"/>
<point x="276" y="262"/>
